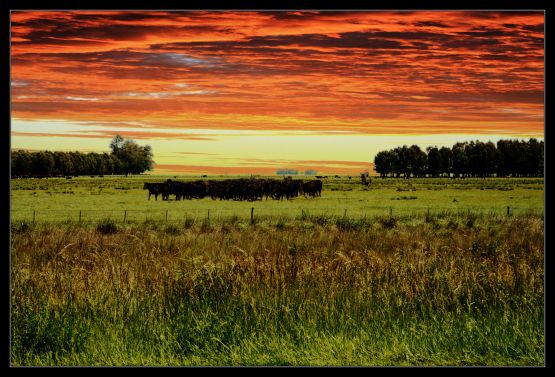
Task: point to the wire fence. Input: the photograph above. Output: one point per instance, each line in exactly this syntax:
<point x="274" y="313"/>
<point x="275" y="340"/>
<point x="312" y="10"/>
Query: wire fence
<point x="254" y="213"/>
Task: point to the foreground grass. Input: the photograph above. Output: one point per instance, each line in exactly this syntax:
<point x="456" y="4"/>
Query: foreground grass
<point x="438" y="290"/>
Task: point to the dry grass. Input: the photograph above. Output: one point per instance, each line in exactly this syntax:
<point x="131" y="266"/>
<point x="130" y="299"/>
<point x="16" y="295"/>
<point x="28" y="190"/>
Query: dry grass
<point x="223" y="293"/>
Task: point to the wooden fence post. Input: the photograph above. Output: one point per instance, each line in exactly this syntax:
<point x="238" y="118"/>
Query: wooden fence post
<point x="252" y="215"/>
<point x="508" y="210"/>
<point x="124" y="215"/>
<point x="390" y="211"/>
<point x="166" y="215"/>
<point x="79" y="215"/>
<point x="208" y="214"/>
<point x="33" y="216"/>
<point x="345" y="213"/>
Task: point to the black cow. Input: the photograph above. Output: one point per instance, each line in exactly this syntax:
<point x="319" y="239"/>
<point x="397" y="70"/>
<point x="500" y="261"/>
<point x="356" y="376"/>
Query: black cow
<point x="291" y="188"/>
<point x="313" y="188"/>
<point x="154" y="189"/>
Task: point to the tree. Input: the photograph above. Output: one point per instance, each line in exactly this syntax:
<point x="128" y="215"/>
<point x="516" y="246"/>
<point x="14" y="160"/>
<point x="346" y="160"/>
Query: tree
<point x="474" y="154"/>
<point x="133" y="158"/>
<point x="21" y="163"/>
<point x="490" y="157"/>
<point x="434" y="161"/>
<point x="384" y="163"/>
<point x="401" y="161"/>
<point x="446" y="160"/>
<point x="533" y="159"/>
<point x="43" y="163"/>
<point x="460" y="160"/>
<point x="116" y="144"/>
<point x="417" y="161"/>
<point x="80" y="166"/>
<point x="505" y="162"/>
<point x="64" y="165"/>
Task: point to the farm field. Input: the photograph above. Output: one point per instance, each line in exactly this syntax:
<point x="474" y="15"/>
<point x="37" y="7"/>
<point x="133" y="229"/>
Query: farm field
<point x="119" y="198"/>
<point x="404" y="272"/>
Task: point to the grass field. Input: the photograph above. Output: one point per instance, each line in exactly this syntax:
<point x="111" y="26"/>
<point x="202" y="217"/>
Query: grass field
<point x="121" y="197"/>
<point x="416" y="272"/>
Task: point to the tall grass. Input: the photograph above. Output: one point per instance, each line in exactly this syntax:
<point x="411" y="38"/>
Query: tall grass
<point x="439" y="290"/>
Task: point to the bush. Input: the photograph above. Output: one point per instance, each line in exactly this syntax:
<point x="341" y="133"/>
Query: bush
<point x="452" y="224"/>
<point x="280" y="223"/>
<point x="471" y="219"/>
<point x="189" y="223"/>
<point x="320" y="219"/>
<point x="206" y="226"/>
<point x="172" y="229"/>
<point x="233" y="220"/>
<point x="107" y="226"/>
<point x="21" y="226"/>
<point x="388" y="222"/>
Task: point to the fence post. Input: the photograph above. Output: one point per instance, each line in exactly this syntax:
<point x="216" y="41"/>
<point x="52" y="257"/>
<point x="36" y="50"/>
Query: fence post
<point x="124" y="215"/>
<point x="33" y="217"/>
<point x="208" y="214"/>
<point x="508" y="210"/>
<point x="252" y="215"/>
<point x="345" y="213"/>
<point x="166" y="215"/>
<point x="390" y="211"/>
<point x="79" y="215"/>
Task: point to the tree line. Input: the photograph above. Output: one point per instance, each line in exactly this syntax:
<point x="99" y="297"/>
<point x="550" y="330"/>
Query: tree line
<point x="509" y="158"/>
<point x="126" y="158"/>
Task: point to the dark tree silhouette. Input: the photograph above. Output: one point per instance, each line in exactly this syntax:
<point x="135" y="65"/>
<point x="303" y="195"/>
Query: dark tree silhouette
<point x="126" y="158"/>
<point x="515" y="158"/>
<point x="434" y="161"/>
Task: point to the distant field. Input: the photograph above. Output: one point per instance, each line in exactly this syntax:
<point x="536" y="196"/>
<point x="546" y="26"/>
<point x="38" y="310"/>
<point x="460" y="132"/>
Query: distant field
<point x="123" y="197"/>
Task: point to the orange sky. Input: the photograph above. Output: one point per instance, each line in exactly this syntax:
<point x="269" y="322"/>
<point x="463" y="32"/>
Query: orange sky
<point x="242" y="92"/>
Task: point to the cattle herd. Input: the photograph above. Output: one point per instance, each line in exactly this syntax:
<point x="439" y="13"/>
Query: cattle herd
<point x="250" y="189"/>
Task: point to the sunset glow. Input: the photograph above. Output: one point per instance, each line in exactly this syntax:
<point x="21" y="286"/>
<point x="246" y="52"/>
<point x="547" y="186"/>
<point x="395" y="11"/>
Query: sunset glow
<point x="253" y="92"/>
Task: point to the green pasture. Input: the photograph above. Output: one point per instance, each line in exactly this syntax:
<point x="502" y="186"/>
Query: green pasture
<point x="123" y="198"/>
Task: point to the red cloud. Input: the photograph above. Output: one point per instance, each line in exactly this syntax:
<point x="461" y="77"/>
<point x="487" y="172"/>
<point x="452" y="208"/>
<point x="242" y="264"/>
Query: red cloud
<point x="359" y="71"/>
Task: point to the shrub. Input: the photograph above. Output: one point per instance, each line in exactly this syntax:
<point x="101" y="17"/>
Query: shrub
<point x="205" y="226"/>
<point x="471" y="219"/>
<point x="189" y="223"/>
<point x="172" y="229"/>
<point x="388" y="222"/>
<point x="452" y="224"/>
<point x="107" y="226"/>
<point x="233" y="220"/>
<point x="21" y="227"/>
<point x="280" y="223"/>
<point x="320" y="219"/>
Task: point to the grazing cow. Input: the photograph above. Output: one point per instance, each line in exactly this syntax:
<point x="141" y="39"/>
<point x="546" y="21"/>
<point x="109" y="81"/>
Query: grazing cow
<point x="313" y="188"/>
<point x="186" y="190"/>
<point x="291" y="188"/>
<point x="154" y="189"/>
<point x="366" y="180"/>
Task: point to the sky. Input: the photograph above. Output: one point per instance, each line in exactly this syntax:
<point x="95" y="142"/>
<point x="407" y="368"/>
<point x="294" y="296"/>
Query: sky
<point x="252" y="92"/>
